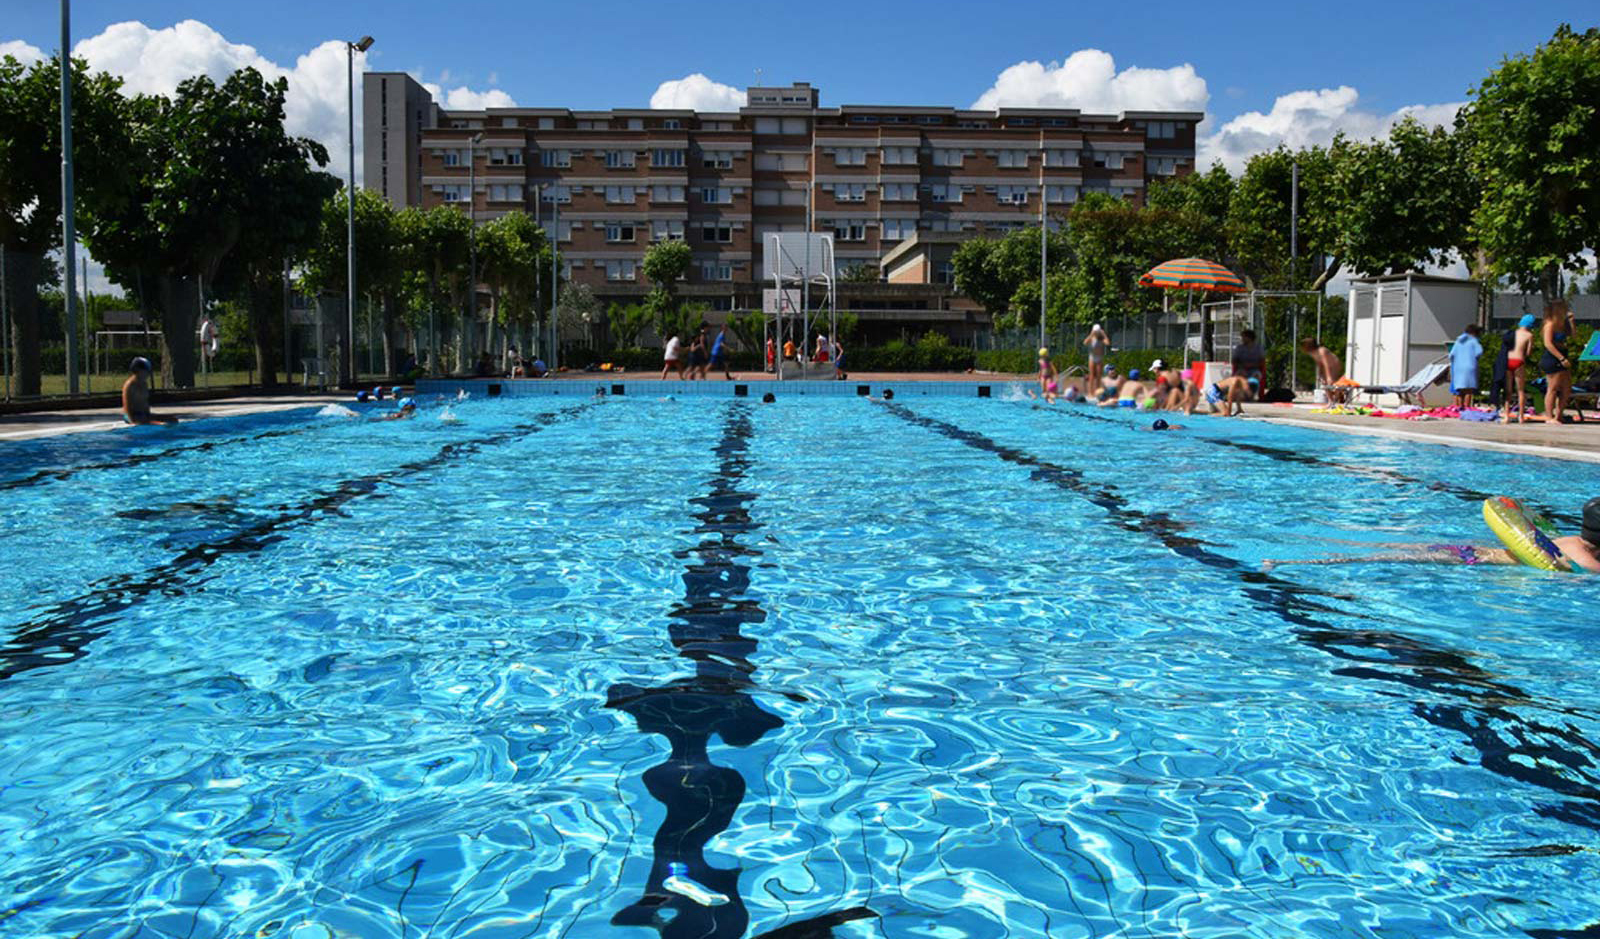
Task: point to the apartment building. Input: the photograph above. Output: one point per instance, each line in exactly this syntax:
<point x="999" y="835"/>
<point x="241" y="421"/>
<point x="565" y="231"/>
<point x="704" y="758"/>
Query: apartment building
<point x="876" y="177"/>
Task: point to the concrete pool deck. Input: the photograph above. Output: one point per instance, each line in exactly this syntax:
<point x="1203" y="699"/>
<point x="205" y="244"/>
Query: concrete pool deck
<point x="1575" y="442"/>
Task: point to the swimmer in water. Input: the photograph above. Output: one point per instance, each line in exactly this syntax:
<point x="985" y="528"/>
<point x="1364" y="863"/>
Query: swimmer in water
<point x="408" y="408"/>
<point x="136" y="395"/>
<point x="1582" y="550"/>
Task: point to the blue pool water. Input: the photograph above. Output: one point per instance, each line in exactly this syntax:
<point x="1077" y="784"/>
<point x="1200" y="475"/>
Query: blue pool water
<point x="940" y="668"/>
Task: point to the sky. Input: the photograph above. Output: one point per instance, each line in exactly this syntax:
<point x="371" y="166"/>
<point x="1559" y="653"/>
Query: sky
<point x="1264" y="73"/>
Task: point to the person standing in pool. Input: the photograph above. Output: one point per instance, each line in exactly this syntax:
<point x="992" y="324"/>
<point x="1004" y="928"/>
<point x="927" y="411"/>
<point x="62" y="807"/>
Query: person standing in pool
<point x="136" y="395"/>
<point x="1554" y="363"/>
<point x="1519" y="351"/>
<point x="1098" y="344"/>
<point x="1582" y="550"/>
<point x="1049" y="385"/>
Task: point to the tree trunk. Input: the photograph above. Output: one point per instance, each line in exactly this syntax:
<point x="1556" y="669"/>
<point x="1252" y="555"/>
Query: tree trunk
<point x="22" y="301"/>
<point x="265" y="313"/>
<point x="386" y="311"/>
<point x="180" y="311"/>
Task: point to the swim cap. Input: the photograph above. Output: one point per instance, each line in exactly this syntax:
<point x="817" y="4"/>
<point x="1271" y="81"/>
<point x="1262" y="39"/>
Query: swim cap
<point x="1133" y="373"/>
<point x="407" y="403"/>
<point x="1187" y="374"/>
<point x="1527" y="321"/>
<point x="361" y="396"/>
<point x="395" y="391"/>
<point x="768" y="398"/>
<point x="139" y="364"/>
<point x="1108" y="370"/>
<point x="888" y="394"/>
<point x="1044" y="353"/>
<point x="1591" y="521"/>
<point x="1158" y="365"/>
<point x="1159" y="425"/>
<point x="1254" y="382"/>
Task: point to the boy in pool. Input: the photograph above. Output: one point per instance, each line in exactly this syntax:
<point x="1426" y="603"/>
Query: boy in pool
<point x="1582" y="550"/>
<point x="136" y="395"/>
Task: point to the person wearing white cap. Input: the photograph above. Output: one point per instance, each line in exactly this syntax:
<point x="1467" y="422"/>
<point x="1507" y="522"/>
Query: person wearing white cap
<point x="136" y="395"/>
<point x="1099" y="344"/>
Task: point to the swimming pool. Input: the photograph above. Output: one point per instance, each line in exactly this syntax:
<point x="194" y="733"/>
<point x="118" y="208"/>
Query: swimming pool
<point x="938" y="667"/>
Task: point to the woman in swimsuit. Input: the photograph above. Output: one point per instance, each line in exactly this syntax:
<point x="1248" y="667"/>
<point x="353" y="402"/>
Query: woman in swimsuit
<point x="1516" y="378"/>
<point x="1554" y="363"/>
<point x="1099" y="344"/>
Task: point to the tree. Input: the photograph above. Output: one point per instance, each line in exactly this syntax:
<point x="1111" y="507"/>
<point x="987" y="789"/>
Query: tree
<point x="1400" y="203"/>
<point x="748" y="326"/>
<point x="325" y="263"/>
<point x="860" y="274"/>
<point x="204" y="164"/>
<point x="978" y="275"/>
<point x="1533" y="133"/>
<point x="627" y="322"/>
<point x="665" y="263"/>
<point x="30" y="181"/>
<point x="434" y="249"/>
<point x="1258" y="219"/>
<point x="514" y="261"/>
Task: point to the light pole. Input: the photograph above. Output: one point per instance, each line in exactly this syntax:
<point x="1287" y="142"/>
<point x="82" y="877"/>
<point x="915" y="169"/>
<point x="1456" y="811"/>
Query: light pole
<point x="69" y="238"/>
<point x="350" y="50"/>
<point x="472" y="233"/>
<point x="555" y="276"/>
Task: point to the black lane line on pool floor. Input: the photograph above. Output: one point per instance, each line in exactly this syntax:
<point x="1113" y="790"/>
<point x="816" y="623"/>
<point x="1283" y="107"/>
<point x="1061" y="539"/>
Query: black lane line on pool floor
<point x="1527" y="751"/>
<point x="1394" y="477"/>
<point x="65" y="631"/>
<point x="700" y="796"/>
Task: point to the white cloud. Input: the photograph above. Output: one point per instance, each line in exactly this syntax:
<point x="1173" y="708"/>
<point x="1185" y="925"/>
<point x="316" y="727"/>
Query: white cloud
<point x="1309" y="118"/>
<point x="1089" y="81"/>
<point x="696" y="92"/>
<point x="465" y="99"/>
<point x="154" y="61"/>
<point x="23" y="52"/>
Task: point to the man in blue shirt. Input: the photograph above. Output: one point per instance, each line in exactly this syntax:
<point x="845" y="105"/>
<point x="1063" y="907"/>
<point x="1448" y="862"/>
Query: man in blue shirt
<point x="719" y="354"/>
<point x="1464" y="366"/>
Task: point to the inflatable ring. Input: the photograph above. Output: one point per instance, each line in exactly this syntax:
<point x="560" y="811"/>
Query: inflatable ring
<point x="1525" y="534"/>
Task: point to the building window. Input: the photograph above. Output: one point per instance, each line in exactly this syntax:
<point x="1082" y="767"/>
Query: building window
<point x="509" y="192"/>
<point x="619" y="159"/>
<point x="863" y="119"/>
<point x="621" y="269"/>
<point x="898" y="192"/>
<point x="563" y="231"/>
<point x="619" y="232"/>
<point x="1160" y="130"/>
<point x="716" y="195"/>
<point x="1012" y="195"/>
<point x="899" y="156"/>
<point x="1111" y="159"/>
<point x="895" y="229"/>
<point x="671" y="123"/>
<point x="547" y="123"/>
<point x="559" y="159"/>
<point x="666" y="158"/>
<point x="1012" y="159"/>
<point x="944" y="273"/>
<point x="716" y="234"/>
<point x="561" y="194"/>
<point x="1061" y="195"/>
<point x="1161" y="166"/>
<point x="716" y="159"/>
<point x="453" y="193"/>
<point x="942" y="192"/>
<point x="943" y="157"/>
<point x="849" y="192"/>
<point x="850" y="156"/>
<point x="624" y="194"/>
<point x="594" y="125"/>
<point x="1066" y="158"/>
<point x="666" y="193"/>
<point x="452" y="157"/>
<point x="666" y="229"/>
<point x="851" y="230"/>
<point x="715" y="270"/>
<point x="768" y="125"/>
<point x="636" y="123"/>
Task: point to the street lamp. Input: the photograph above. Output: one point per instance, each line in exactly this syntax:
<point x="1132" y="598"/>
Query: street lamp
<point x="350" y="49"/>
<point x="69" y="237"/>
<point x="472" y="225"/>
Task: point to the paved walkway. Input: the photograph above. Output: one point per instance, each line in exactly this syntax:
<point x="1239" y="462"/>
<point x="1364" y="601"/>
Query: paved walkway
<point x="1560" y="441"/>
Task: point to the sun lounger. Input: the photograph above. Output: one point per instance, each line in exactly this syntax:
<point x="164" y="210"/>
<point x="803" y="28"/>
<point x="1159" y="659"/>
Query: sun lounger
<point x="1410" y="392"/>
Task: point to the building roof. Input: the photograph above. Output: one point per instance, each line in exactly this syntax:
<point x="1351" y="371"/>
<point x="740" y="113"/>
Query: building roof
<point x="1413" y="276"/>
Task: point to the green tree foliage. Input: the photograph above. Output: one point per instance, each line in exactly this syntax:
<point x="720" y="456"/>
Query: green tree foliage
<point x="666" y="263"/>
<point x="1400" y="203"/>
<point x="860" y="274"/>
<point x="748" y="326"/>
<point x="30" y="181"/>
<point x="325" y="264"/>
<point x="1533" y="130"/>
<point x="434" y="249"/>
<point x="1258" y="219"/>
<point x="206" y="163"/>
<point x="627" y="322"/>
<point x="514" y="262"/>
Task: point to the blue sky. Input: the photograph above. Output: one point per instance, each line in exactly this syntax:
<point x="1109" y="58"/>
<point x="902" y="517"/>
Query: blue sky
<point x="598" y="54"/>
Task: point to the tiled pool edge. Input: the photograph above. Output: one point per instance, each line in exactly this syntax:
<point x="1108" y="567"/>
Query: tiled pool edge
<point x="1444" y="440"/>
<point x="712" y="388"/>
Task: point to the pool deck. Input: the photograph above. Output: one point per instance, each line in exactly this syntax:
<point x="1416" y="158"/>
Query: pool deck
<point x="1576" y="442"/>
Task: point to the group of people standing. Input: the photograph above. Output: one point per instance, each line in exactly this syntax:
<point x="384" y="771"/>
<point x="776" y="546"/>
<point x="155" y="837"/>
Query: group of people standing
<point x="700" y="355"/>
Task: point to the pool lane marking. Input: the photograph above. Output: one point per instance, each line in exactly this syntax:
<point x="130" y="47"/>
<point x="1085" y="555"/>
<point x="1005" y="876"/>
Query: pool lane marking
<point x="700" y="796"/>
<point x="1377" y="473"/>
<point x="63" y="634"/>
<point x="1440" y="671"/>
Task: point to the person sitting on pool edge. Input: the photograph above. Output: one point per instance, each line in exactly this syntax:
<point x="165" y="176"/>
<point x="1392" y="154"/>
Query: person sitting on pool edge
<point x="1582" y="550"/>
<point x="136" y="395"/>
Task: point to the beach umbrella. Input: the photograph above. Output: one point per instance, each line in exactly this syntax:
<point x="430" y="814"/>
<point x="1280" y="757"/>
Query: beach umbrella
<point x="1190" y="275"/>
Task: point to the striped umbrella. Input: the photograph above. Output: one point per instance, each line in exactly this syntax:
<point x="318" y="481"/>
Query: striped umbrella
<point x="1193" y="274"/>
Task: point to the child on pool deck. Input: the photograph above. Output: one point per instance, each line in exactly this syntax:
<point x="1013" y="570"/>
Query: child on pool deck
<point x="1464" y="365"/>
<point x="1582" y="549"/>
<point x="1516" y="377"/>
